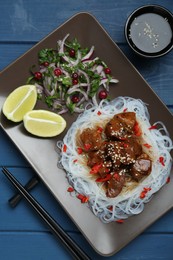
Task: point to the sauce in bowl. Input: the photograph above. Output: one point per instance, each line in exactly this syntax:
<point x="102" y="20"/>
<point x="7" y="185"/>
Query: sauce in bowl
<point x="149" y="31"/>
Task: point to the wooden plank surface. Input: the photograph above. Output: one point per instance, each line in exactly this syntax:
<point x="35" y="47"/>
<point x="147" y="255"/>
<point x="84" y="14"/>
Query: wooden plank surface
<point x="22" y="235"/>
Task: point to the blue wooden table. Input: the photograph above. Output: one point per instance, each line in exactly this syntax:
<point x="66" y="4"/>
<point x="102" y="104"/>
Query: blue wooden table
<point x="23" y="235"/>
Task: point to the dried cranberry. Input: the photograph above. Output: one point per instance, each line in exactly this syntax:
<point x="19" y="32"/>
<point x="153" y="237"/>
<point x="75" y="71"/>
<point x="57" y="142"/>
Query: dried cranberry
<point x="75" y="99"/>
<point x="75" y="81"/>
<point x="103" y="94"/>
<point x="38" y="75"/>
<point x="46" y="63"/>
<point x="72" y="53"/>
<point x="107" y="70"/>
<point x="57" y="72"/>
<point x="75" y="75"/>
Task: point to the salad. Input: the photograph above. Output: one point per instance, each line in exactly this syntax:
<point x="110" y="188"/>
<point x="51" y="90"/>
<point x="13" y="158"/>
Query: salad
<point x="69" y="77"/>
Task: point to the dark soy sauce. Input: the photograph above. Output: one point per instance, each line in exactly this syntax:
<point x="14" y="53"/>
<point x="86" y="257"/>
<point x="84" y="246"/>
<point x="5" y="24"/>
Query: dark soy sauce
<point x="150" y="32"/>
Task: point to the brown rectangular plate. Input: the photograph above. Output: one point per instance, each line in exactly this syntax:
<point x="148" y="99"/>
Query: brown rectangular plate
<point x="106" y="239"/>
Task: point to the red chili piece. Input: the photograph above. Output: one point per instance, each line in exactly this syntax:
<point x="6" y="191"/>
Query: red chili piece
<point x="152" y="127"/>
<point x="70" y="189"/>
<point x="116" y="176"/>
<point x="87" y="146"/>
<point x="75" y="161"/>
<point x="79" y="196"/>
<point x="108" y="176"/>
<point x="79" y="150"/>
<point x="146" y="189"/>
<point x="147" y="145"/>
<point x="161" y="160"/>
<point x="99" y="113"/>
<point x="144" y="192"/>
<point x="168" y="180"/>
<point x="120" y="221"/>
<point x="64" y="148"/>
<point x="110" y="208"/>
<point x="99" y="129"/>
<point x="82" y="198"/>
<point x="95" y="168"/>
<point x="142" y="195"/>
<point x="125" y="109"/>
<point x="137" y="129"/>
<point x="125" y="145"/>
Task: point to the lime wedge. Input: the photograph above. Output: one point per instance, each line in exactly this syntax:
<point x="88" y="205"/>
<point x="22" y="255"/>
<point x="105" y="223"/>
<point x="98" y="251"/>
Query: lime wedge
<point x="44" y="123"/>
<point x="19" y="102"/>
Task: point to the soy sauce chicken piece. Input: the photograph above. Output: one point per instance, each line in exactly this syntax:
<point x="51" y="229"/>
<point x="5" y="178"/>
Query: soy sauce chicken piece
<point x="115" y="185"/>
<point x="141" y="168"/>
<point x="133" y="149"/>
<point x="120" y="126"/>
<point x="124" y="152"/>
<point x="97" y="156"/>
<point x="91" y="139"/>
<point x="127" y="118"/>
<point x="94" y="157"/>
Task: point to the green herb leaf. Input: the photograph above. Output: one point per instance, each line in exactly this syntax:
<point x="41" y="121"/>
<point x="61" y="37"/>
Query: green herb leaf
<point x="71" y="107"/>
<point x="94" y="87"/>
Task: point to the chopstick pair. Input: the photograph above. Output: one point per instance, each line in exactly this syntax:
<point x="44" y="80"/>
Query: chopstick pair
<point x="55" y="228"/>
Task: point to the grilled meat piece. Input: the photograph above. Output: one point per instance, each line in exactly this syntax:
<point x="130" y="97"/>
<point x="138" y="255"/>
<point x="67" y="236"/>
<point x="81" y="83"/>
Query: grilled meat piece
<point x="115" y="185"/>
<point x="141" y="168"/>
<point x="120" y="126"/>
<point x="91" y="139"/>
<point x="124" y="152"/>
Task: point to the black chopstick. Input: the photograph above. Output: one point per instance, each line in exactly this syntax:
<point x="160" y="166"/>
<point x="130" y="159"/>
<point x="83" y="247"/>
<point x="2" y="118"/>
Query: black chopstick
<point x="55" y="228"/>
<point x="17" y="197"/>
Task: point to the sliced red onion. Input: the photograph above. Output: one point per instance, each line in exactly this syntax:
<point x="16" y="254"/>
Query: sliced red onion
<point x="50" y="85"/>
<point x="74" y="63"/>
<point x="63" y="111"/>
<point x="81" y="101"/>
<point x="72" y="89"/>
<point x="99" y="69"/>
<point x="47" y="92"/>
<point x="65" y="73"/>
<point x="103" y="81"/>
<point x="56" y="103"/>
<point x="78" y="110"/>
<point x="84" y="85"/>
<point x="89" y="60"/>
<point x="42" y="70"/>
<point x="94" y="100"/>
<point x="77" y="89"/>
<point x="61" y="44"/>
<point x="114" y="81"/>
<point x="39" y="88"/>
<point x="87" y="79"/>
<point x="89" y="54"/>
<point x="52" y="65"/>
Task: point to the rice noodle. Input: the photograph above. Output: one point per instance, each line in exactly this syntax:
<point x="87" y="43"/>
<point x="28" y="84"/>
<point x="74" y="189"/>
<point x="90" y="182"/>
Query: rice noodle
<point x="128" y="202"/>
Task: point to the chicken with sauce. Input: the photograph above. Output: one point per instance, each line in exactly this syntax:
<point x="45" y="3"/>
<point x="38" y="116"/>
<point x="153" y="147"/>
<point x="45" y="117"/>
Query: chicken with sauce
<point x="115" y="153"/>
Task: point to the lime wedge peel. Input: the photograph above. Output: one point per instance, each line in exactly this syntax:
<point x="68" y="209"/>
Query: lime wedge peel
<point x="19" y="102"/>
<point x="44" y="123"/>
<point x="19" y="106"/>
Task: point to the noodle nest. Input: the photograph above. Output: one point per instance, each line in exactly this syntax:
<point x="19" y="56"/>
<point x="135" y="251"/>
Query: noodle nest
<point x="129" y="202"/>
